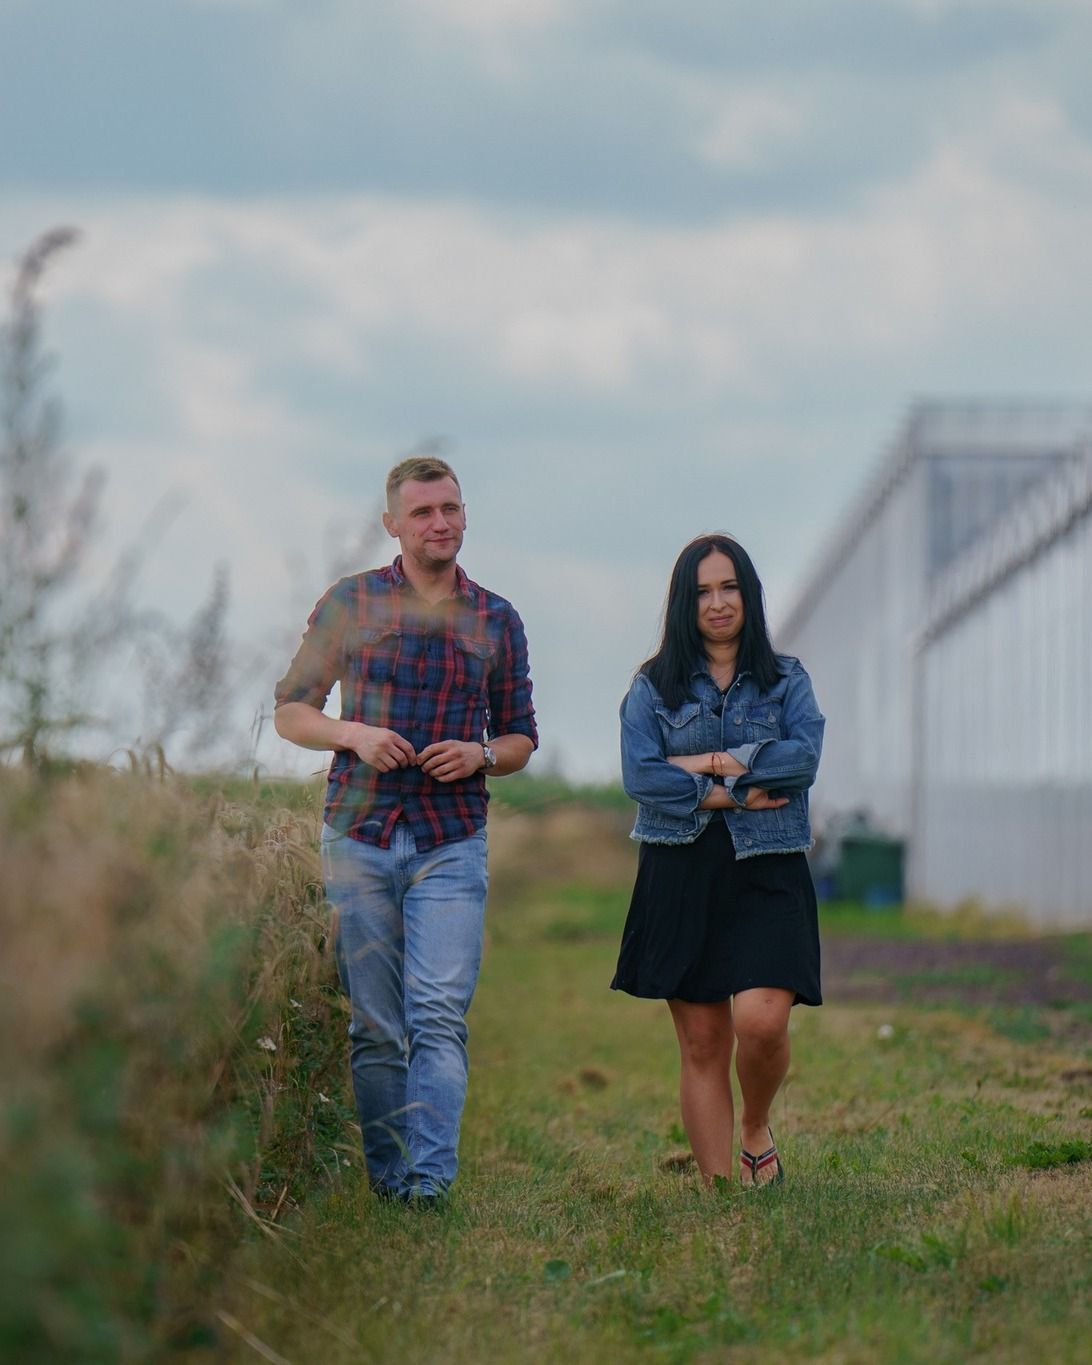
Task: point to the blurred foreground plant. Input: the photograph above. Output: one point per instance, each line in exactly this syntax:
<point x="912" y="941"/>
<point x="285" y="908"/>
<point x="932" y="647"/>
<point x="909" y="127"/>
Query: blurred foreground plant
<point x="171" y="1050"/>
<point x="63" y="633"/>
<point x="46" y="516"/>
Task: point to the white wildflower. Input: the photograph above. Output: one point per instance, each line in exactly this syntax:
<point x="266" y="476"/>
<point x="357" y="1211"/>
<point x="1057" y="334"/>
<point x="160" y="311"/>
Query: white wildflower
<point x="885" y="1031"/>
<point x="267" y="1044"/>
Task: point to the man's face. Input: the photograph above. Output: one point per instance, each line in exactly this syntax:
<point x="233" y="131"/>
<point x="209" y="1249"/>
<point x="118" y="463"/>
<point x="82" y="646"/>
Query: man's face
<point x="428" y="519"/>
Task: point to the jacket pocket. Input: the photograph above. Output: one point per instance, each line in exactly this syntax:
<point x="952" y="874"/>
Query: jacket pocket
<point x="682" y="728"/>
<point x="764" y="719"/>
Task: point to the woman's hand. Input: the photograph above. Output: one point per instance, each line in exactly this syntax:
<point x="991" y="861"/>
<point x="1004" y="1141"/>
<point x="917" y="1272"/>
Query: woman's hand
<point x="724" y="765"/>
<point x="757" y="799"/>
<point x="753" y="799"/>
<point x="708" y="765"/>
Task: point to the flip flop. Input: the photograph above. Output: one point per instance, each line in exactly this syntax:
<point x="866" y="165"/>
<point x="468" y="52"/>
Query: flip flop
<point x="754" y="1164"/>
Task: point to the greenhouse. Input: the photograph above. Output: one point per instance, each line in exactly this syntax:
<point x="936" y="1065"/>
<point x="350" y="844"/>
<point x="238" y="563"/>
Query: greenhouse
<point x="946" y="630"/>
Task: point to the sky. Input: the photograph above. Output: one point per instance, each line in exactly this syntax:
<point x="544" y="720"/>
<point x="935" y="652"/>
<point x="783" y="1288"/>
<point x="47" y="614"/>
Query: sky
<point x="642" y="269"/>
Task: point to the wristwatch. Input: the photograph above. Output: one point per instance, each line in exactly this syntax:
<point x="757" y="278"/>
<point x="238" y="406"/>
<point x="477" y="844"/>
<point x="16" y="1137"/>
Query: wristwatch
<point x="490" y="757"/>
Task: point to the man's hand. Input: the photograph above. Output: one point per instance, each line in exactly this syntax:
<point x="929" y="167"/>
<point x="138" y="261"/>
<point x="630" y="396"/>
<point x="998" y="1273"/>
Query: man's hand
<point x="451" y="759"/>
<point x="384" y="750"/>
<point x="305" y="725"/>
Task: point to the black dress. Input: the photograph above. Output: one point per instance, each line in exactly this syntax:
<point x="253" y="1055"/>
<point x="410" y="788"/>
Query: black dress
<point x="703" y="924"/>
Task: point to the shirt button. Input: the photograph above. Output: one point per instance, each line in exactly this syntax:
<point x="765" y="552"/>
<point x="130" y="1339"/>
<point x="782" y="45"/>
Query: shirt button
<point x="748" y="842"/>
<point x="737" y="718"/>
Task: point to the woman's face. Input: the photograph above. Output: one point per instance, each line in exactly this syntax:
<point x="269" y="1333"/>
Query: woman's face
<point x="720" y="602"/>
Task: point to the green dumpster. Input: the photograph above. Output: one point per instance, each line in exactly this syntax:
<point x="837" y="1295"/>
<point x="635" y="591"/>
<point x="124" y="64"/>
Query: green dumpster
<point x="870" y="870"/>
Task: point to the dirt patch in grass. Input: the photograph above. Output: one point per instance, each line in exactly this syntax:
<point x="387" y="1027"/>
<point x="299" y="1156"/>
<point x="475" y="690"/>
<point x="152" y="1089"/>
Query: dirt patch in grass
<point x="1045" y="975"/>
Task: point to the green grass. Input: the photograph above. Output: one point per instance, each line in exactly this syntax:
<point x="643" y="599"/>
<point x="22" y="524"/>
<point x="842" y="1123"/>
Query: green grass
<point x="182" y="1181"/>
<point x="1041" y="1156"/>
<point x="905" y="1231"/>
<point x="570" y="912"/>
<point x="541" y="791"/>
<point x="969" y="921"/>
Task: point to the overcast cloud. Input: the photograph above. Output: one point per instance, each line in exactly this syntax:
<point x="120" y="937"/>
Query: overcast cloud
<point x="649" y="269"/>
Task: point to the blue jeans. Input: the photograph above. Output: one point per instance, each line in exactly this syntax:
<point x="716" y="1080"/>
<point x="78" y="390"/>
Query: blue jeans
<point x="408" y="944"/>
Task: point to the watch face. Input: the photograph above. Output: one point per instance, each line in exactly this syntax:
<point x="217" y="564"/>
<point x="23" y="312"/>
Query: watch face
<point x="490" y="757"/>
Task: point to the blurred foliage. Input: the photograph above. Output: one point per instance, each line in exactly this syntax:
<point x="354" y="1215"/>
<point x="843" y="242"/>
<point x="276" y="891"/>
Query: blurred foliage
<point x="68" y="629"/>
<point x="172" y="1048"/>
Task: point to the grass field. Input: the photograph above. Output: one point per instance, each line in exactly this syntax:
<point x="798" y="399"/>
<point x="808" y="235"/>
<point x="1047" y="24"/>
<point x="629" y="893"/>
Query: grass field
<point x="182" y="1181"/>
<point x="937" y="1206"/>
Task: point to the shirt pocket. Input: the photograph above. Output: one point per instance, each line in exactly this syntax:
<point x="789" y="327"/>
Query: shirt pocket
<point x="473" y="660"/>
<point x="682" y="728"/>
<point x="374" y="653"/>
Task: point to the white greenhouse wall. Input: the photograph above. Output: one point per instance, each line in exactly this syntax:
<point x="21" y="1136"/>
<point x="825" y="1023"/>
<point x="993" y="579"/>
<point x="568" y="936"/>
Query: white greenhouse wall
<point x="1004" y="790"/>
<point x="856" y="642"/>
<point x="958" y="691"/>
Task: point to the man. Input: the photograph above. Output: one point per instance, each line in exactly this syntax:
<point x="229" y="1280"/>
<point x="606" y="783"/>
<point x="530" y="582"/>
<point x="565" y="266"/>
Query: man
<point x="435" y="694"/>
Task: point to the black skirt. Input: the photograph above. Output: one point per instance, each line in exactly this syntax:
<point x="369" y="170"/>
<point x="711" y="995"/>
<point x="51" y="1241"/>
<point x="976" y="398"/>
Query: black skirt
<point x="703" y="925"/>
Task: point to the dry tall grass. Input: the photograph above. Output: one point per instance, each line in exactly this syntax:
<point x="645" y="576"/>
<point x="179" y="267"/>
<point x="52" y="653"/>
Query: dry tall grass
<point x="171" y="1050"/>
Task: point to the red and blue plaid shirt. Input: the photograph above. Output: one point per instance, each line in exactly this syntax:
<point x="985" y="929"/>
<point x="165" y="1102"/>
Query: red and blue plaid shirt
<point x="453" y="670"/>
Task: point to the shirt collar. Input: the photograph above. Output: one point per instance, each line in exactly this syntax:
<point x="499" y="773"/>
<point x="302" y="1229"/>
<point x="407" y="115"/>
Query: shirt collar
<point x="398" y="577"/>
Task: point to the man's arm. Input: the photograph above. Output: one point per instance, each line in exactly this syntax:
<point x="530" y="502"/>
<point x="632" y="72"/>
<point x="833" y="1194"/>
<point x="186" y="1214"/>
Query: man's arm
<point x="306" y="726"/>
<point x="302" y="692"/>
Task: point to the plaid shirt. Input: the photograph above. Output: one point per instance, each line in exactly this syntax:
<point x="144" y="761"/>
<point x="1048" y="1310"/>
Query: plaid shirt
<point x="455" y="670"/>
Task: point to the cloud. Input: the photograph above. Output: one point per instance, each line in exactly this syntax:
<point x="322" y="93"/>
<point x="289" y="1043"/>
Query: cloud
<point x="281" y="325"/>
<point x="654" y="113"/>
<point x="484" y="17"/>
<point x="746" y="126"/>
<point x="653" y="271"/>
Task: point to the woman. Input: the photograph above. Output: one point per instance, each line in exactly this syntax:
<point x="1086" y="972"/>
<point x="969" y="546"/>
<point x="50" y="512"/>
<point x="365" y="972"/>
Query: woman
<point x="720" y="743"/>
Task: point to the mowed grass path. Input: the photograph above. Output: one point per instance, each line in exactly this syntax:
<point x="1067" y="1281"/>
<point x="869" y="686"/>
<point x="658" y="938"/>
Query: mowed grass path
<point x="907" y="1229"/>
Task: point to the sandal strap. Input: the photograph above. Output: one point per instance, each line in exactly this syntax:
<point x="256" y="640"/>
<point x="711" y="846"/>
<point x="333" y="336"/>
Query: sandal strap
<point x="756" y="1162"/>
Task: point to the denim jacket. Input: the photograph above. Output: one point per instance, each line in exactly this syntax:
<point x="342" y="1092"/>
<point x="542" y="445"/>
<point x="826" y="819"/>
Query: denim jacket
<point x="777" y="734"/>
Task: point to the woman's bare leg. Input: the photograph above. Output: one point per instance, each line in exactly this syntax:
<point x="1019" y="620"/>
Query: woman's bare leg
<point x="761" y="1021"/>
<point x="705" y="1083"/>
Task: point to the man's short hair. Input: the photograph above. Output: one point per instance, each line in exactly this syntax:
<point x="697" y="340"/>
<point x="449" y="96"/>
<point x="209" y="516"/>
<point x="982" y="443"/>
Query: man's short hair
<point x="423" y="468"/>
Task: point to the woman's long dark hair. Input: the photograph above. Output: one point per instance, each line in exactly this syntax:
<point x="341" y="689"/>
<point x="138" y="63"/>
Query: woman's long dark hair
<point x="681" y="649"/>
